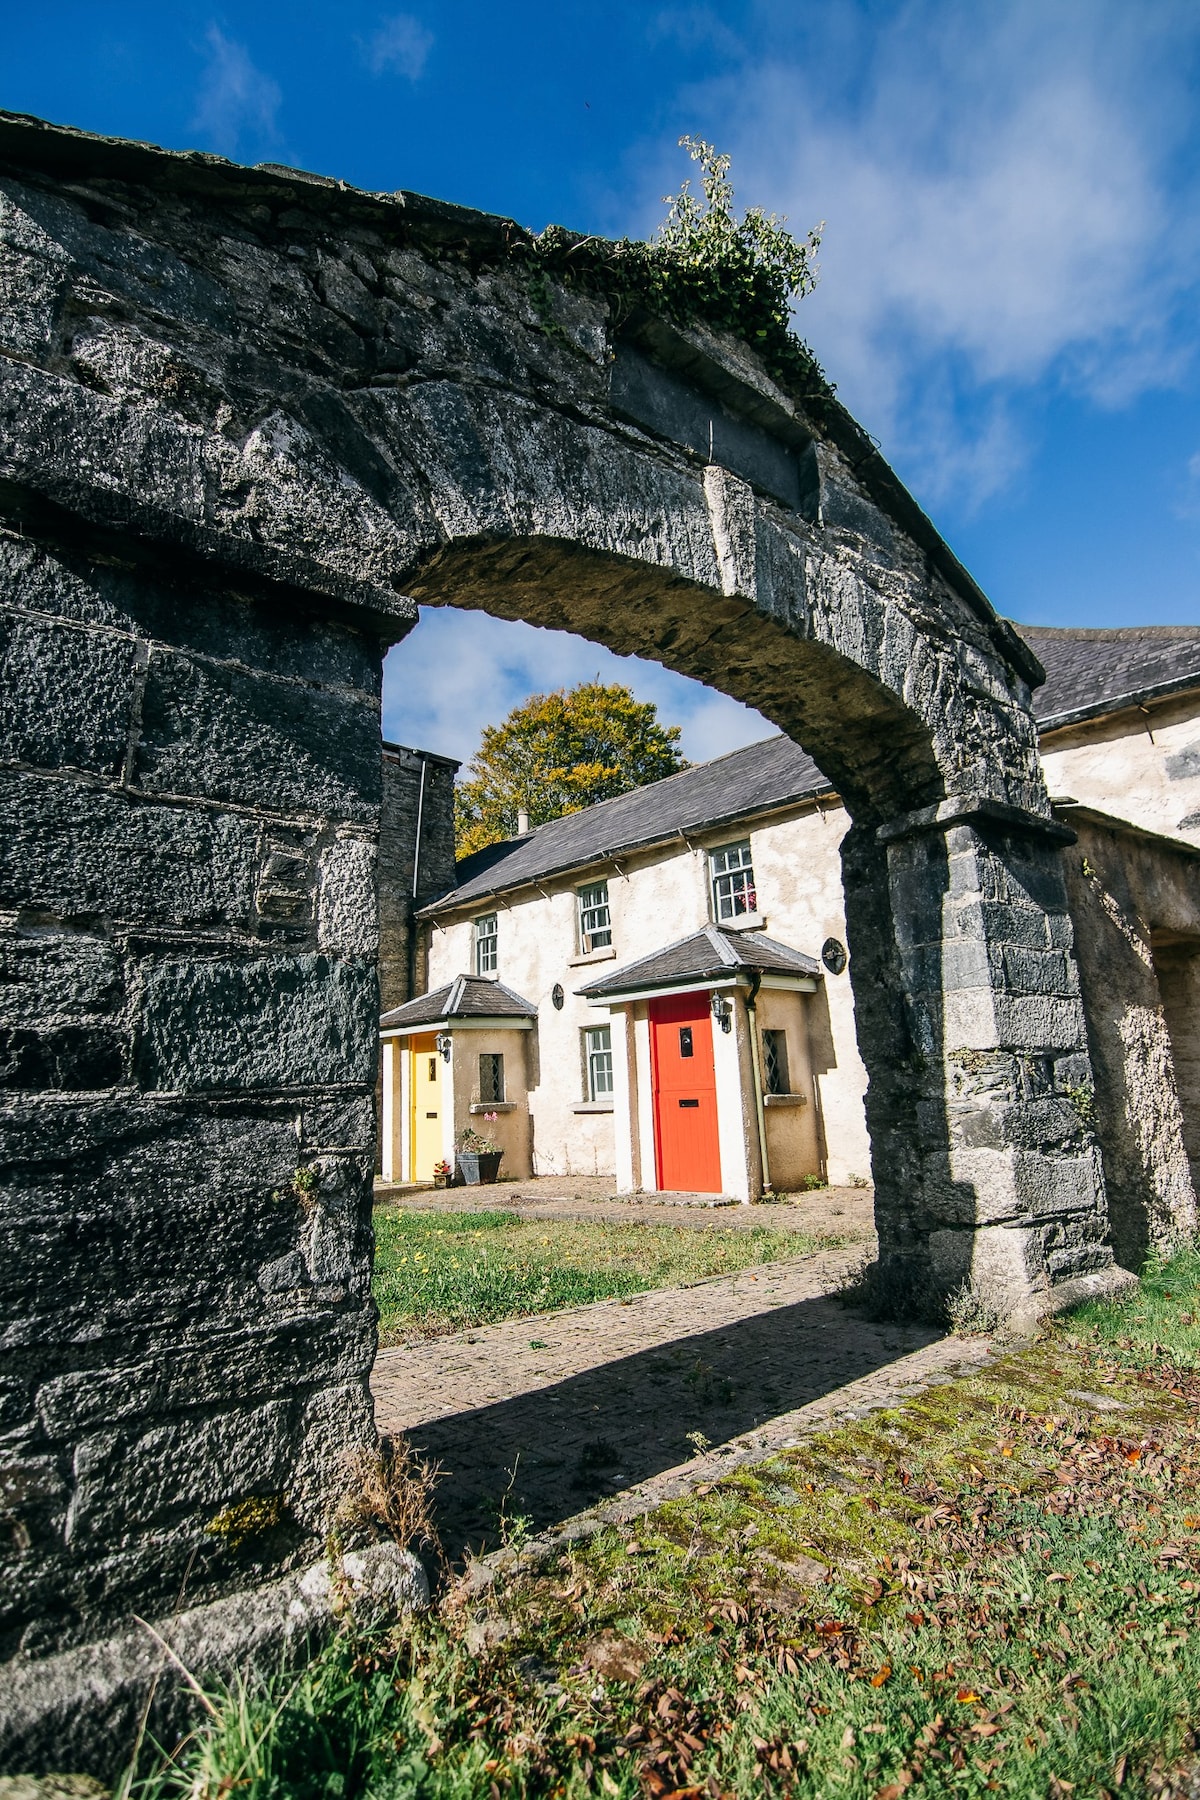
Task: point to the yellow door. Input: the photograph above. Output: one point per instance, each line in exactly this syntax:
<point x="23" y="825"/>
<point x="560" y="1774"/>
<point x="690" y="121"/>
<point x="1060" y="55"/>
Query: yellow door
<point x="425" y="1089"/>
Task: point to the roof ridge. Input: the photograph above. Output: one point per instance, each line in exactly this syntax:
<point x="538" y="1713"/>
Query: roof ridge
<point x="457" y="989"/>
<point x="721" y="944"/>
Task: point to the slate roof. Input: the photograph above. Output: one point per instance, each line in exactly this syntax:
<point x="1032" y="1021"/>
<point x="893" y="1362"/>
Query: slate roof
<point x="758" y="778"/>
<point x="466" y="997"/>
<point x="1087" y="672"/>
<point x="703" y="956"/>
<point x="1090" y="672"/>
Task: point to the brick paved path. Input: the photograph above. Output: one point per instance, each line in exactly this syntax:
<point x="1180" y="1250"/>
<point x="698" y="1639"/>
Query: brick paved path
<point x="566" y="1410"/>
<point x="842" y="1211"/>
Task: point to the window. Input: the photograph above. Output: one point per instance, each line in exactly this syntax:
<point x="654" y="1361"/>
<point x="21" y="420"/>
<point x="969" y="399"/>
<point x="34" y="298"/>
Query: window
<point x="597" y="1045"/>
<point x="775" y="1066"/>
<point x="491" y="1078"/>
<point x="487" y="960"/>
<point x="595" y="921"/>
<point x="732" y="875"/>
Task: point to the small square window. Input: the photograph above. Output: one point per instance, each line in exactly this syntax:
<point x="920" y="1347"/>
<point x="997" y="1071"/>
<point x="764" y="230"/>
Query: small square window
<point x="487" y="958"/>
<point x="775" y="1064"/>
<point x="731" y="873"/>
<point x="595" y="920"/>
<point x="491" y="1078"/>
<point x="597" y="1048"/>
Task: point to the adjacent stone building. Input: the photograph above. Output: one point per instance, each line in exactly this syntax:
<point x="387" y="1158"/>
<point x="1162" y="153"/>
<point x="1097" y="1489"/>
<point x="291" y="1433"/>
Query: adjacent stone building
<point x="672" y="1002"/>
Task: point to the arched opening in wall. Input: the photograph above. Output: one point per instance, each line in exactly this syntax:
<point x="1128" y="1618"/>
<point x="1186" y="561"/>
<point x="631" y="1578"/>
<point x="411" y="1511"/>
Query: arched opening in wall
<point x="1177" y="966"/>
<point x="699" y="921"/>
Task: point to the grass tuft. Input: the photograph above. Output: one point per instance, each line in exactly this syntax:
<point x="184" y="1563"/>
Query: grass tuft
<point x="991" y="1588"/>
<point x="438" y="1272"/>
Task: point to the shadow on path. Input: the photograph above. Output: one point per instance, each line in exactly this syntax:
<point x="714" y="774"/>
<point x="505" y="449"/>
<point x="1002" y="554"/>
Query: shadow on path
<point x="558" y="1449"/>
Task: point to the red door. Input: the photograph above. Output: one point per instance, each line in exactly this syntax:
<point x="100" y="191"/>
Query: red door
<point x="685" y="1094"/>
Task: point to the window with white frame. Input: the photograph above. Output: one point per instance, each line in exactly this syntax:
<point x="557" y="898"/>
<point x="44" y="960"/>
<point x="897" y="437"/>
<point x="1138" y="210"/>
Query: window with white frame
<point x="487" y="959"/>
<point x="597" y="1051"/>
<point x="731" y="873"/>
<point x="491" y="1078"/>
<point x="775" y="1063"/>
<point x="595" y="920"/>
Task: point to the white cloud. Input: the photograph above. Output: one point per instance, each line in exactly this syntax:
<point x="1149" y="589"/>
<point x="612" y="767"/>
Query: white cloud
<point x="459" y="671"/>
<point x="1004" y="208"/>
<point x="400" y="46"/>
<point x="236" y="102"/>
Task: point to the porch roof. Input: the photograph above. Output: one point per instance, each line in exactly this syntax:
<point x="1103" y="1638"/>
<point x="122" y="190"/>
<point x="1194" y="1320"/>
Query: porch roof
<point x="707" y="955"/>
<point x="466" y="997"/>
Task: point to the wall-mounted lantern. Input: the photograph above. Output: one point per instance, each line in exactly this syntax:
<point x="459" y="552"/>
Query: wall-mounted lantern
<point x="445" y="1044"/>
<point x="722" y="1012"/>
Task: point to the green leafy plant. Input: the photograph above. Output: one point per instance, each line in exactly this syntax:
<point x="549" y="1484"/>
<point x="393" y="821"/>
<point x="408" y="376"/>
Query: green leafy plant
<point x="1083" y="1099"/>
<point x="302" y="1187"/>
<point x="474" y="1143"/>
<point x="705" y="265"/>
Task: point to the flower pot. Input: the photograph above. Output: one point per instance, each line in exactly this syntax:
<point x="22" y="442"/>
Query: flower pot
<point x="443" y="1181"/>
<point x="474" y="1169"/>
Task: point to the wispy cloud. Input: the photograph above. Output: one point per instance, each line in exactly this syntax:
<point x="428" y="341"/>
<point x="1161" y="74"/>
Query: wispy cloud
<point x="1006" y="204"/>
<point x="400" y="46"/>
<point x="237" y="103"/>
<point x="458" y="672"/>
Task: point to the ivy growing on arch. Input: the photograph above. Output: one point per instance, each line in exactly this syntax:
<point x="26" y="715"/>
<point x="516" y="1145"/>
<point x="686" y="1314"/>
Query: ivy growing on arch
<point x="704" y="265"/>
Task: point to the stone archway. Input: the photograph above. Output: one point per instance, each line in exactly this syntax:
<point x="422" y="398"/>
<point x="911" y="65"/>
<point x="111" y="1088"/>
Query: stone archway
<point x="249" y="417"/>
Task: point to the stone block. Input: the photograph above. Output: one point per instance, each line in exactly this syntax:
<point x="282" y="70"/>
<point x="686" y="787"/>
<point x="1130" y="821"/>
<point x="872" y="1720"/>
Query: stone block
<point x="347" y="908"/>
<point x="49" y="976"/>
<point x="1039" y="1022"/>
<point x="339" y="1124"/>
<point x="263" y="1022"/>
<point x="69" y="695"/>
<point x="229" y="734"/>
<point x="236" y="1366"/>
<point x="261" y="632"/>
<point x="84" y="1057"/>
<point x="75" y="853"/>
<point x="1027" y="971"/>
<point x="123" y="1481"/>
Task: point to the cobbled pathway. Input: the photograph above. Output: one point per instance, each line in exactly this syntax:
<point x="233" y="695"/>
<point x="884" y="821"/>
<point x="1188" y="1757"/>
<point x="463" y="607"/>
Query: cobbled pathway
<point x="598" y="1406"/>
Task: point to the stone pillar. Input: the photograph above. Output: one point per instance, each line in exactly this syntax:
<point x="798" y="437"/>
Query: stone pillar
<point x="987" y="1171"/>
<point x="188" y="1024"/>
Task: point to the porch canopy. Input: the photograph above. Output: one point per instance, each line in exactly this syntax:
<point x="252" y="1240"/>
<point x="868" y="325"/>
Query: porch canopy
<point x="708" y="958"/>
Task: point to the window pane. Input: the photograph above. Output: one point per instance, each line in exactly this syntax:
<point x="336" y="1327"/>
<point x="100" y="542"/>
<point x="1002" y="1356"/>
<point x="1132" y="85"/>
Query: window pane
<point x="732" y="873"/>
<point x="775" y="1068"/>
<point x="595" y="924"/>
<point x="598" y="1042"/>
<point x="486" y="957"/>
<point x="491" y="1078"/>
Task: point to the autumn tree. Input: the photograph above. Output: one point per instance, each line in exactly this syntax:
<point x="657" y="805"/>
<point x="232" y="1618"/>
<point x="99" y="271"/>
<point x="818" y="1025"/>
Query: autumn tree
<point x="557" y="753"/>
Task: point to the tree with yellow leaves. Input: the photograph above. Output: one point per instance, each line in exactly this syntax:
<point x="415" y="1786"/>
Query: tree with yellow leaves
<point x="557" y="753"/>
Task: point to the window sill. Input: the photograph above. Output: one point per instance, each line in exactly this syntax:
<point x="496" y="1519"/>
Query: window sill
<point x="785" y="1099"/>
<point x="743" y="922"/>
<point x="592" y="1106"/>
<point x="496" y="1106"/>
<point x="605" y="954"/>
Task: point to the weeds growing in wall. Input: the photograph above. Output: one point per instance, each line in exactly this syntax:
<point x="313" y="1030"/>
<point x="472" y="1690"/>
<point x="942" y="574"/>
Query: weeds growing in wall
<point x="704" y="265"/>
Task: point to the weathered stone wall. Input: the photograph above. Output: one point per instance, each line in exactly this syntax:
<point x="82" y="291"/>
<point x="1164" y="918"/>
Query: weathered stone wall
<point x="416" y="861"/>
<point x="188" y="990"/>
<point x="1136" y="900"/>
<point x="317" y="406"/>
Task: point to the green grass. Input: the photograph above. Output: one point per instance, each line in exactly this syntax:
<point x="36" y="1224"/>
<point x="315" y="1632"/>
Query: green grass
<point x="1010" y="1605"/>
<point x="438" y="1271"/>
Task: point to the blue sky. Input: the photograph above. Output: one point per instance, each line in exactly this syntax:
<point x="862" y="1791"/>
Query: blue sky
<point x="1010" y="272"/>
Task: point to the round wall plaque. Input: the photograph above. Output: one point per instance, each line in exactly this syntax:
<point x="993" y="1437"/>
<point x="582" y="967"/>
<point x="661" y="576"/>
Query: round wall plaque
<point x="833" y="955"/>
<point x="557" y="996"/>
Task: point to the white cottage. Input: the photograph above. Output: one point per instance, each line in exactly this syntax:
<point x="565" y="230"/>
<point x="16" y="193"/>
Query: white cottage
<point x="656" y="988"/>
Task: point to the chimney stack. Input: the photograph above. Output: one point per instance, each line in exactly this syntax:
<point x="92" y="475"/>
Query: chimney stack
<point x="522" y="822"/>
